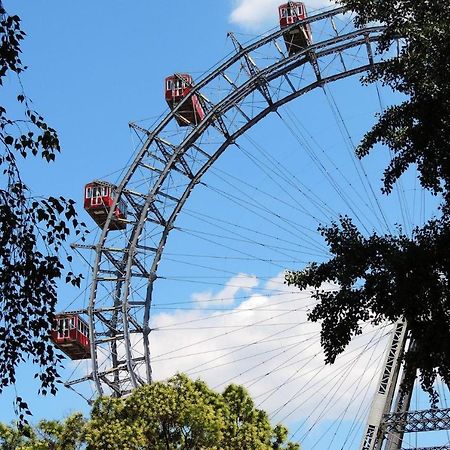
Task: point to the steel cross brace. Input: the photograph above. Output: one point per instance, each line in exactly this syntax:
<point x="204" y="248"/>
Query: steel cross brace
<point x="416" y="421"/>
<point x="162" y="144"/>
<point x="253" y="71"/>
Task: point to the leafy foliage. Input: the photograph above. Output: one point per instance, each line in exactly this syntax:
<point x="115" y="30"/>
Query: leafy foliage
<point x="385" y="278"/>
<point x="396" y="277"/>
<point x="179" y="413"/>
<point x="32" y="231"/>
<point x="48" y="434"/>
<point x="417" y="130"/>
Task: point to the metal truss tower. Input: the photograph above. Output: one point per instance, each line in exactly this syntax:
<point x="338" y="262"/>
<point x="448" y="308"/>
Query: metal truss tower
<point x="388" y="420"/>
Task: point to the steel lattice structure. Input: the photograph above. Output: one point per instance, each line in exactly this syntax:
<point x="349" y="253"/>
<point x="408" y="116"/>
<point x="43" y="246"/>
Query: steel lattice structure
<point x="170" y="163"/>
<point x="416" y="421"/>
<point x="171" y="168"/>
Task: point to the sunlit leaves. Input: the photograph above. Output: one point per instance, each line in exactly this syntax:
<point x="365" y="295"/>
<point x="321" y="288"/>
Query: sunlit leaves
<point x="176" y="414"/>
<point x="48" y="434"/>
<point x="182" y="413"/>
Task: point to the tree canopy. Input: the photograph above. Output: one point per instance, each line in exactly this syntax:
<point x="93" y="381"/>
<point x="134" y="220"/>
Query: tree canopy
<point x="33" y="229"/>
<point x="177" y="414"/>
<point x="395" y="276"/>
<point x="417" y="130"/>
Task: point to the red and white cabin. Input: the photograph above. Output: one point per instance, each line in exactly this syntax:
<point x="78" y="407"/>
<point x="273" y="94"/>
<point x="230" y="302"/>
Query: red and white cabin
<point x="297" y="38"/>
<point x="71" y="335"/>
<point x="177" y="87"/>
<point x="98" y="199"/>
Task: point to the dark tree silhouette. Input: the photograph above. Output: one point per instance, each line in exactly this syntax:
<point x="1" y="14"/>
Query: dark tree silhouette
<point x="32" y="230"/>
<point x="394" y="276"/>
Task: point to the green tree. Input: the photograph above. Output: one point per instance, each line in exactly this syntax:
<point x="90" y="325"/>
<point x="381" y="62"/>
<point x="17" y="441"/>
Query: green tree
<point x="47" y="435"/>
<point x="33" y="229"/>
<point x="392" y="277"/>
<point x="182" y="413"/>
<point x="177" y="414"/>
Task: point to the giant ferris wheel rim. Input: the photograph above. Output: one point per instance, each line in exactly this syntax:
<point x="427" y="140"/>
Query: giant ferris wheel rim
<point x="363" y="36"/>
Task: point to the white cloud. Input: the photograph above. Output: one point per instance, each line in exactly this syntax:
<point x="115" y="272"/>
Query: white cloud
<point x="256" y="14"/>
<point x="266" y="343"/>
<point x="241" y="282"/>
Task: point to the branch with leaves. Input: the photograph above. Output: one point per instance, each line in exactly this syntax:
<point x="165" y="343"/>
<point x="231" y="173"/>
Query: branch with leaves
<point x="391" y="277"/>
<point x="179" y="413"/>
<point x="33" y="232"/>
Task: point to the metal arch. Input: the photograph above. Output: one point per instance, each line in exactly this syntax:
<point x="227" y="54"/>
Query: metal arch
<point x="124" y="273"/>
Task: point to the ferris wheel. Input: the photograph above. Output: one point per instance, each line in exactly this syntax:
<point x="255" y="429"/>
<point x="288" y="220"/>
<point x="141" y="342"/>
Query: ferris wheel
<point x="188" y="188"/>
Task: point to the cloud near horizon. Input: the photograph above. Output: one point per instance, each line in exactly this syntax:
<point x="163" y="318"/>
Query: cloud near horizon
<point x="257" y="14"/>
<point x="266" y="343"/>
<point x="256" y="333"/>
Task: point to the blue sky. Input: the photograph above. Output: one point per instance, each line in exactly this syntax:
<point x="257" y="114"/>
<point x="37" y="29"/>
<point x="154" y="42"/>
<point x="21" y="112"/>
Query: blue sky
<point x="96" y="66"/>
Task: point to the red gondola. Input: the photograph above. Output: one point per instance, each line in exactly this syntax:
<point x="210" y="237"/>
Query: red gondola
<point x="177" y="87"/>
<point x="297" y="38"/>
<point x="71" y="336"/>
<point x="98" y="199"/>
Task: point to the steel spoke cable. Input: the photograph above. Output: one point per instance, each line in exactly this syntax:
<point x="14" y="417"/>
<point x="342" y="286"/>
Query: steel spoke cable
<point x="202" y="266"/>
<point x="247" y="239"/>
<point x="343" y="414"/>
<point x="359" y="167"/>
<point x="231" y="229"/>
<point x="311" y="196"/>
<point x="361" y="413"/>
<point x="287" y="170"/>
<point x="327" y="175"/>
<point x="234" y="348"/>
<point x="293" y="377"/>
<point x="177" y="257"/>
<point x="221" y="327"/>
<point x="399" y="184"/>
<point x="236" y="250"/>
<point x="336" y="388"/>
<point x="227" y="333"/>
<point x="268" y="294"/>
<point x="195" y="278"/>
<point x="220" y="316"/>
<point x="250" y="369"/>
<point x="269" y="172"/>
<point x="243" y="347"/>
<point x="330" y="396"/>
<point x="222" y="309"/>
<point x="210" y="283"/>
<point x="399" y="188"/>
<point x="281" y="350"/>
<point x="269" y="169"/>
<point x="284" y="365"/>
<point x="308" y="387"/>
<point x="247" y="297"/>
<point x="290" y="223"/>
<point x="255" y="188"/>
<point x="326" y="155"/>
